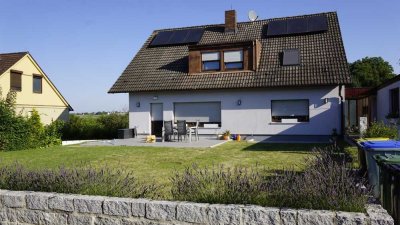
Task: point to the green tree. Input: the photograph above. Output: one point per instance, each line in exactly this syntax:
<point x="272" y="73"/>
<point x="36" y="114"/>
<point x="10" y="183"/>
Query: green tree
<point x="370" y="71"/>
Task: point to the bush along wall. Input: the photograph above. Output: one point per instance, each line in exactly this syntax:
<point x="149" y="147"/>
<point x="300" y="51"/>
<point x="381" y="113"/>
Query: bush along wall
<point x="18" y="132"/>
<point x="94" y="127"/>
<point x="326" y="183"/>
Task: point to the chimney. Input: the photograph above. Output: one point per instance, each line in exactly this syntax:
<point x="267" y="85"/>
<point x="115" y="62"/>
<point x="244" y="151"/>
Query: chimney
<point x="230" y="21"/>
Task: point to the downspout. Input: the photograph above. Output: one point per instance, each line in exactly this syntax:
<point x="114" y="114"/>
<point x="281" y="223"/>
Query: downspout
<point x="342" y="125"/>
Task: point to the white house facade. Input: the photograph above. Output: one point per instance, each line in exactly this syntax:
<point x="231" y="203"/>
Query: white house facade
<point x="246" y="112"/>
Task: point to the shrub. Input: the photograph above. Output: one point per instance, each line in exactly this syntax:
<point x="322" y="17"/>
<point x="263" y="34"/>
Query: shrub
<point x="326" y="183"/>
<point x="52" y="136"/>
<point x="86" y="180"/>
<point x="18" y="132"/>
<point x="380" y="129"/>
<point x="219" y="185"/>
<point x="94" y="127"/>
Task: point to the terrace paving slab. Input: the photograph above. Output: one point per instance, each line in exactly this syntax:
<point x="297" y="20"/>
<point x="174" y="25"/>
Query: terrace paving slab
<point x="140" y="141"/>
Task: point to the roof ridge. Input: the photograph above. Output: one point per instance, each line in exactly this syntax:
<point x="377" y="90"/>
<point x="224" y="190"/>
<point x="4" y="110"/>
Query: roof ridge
<point x="244" y="22"/>
<point x="9" y="53"/>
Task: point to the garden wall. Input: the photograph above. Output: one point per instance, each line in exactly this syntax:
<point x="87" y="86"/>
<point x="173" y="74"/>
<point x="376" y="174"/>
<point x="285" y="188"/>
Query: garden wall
<point x="17" y="207"/>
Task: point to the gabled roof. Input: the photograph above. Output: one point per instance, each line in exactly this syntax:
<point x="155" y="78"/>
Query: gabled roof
<point x="323" y="61"/>
<point x="7" y="60"/>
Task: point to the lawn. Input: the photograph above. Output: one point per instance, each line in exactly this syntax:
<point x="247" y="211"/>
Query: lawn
<point x="158" y="163"/>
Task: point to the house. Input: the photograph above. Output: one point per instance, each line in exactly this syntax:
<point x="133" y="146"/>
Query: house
<point x="282" y="76"/>
<point x="381" y="103"/>
<point x="19" y="72"/>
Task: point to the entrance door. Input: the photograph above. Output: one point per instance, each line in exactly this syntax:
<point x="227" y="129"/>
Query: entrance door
<point x="156" y="119"/>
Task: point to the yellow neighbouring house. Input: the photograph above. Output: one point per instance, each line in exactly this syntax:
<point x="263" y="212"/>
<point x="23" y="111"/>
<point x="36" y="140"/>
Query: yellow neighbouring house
<point x="19" y="72"/>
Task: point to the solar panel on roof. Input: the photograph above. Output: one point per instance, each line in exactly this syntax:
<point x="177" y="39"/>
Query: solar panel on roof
<point x="162" y="38"/>
<point x="297" y="26"/>
<point x="177" y="37"/>
<point x="277" y="27"/>
<point x="317" y="23"/>
<point x="195" y="35"/>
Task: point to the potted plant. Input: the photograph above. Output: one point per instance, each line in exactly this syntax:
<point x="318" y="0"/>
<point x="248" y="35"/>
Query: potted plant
<point x="226" y="135"/>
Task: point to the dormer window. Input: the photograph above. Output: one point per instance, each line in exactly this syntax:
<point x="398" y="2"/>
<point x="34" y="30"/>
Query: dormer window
<point x="211" y="61"/>
<point x="233" y="59"/>
<point x="227" y="57"/>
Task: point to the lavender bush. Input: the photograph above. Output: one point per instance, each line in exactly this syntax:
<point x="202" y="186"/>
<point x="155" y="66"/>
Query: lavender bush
<point x="326" y="183"/>
<point x="219" y="185"/>
<point x="86" y="180"/>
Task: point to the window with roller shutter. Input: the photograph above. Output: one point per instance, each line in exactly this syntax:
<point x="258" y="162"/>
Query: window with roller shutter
<point x="16" y="80"/>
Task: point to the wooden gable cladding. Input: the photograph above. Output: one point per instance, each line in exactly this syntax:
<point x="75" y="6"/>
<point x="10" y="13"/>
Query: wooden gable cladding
<point x="256" y="54"/>
<point x="194" y="61"/>
<point x="251" y="55"/>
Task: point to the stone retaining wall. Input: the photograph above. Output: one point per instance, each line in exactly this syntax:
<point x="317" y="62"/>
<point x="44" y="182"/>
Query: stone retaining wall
<point x="28" y="208"/>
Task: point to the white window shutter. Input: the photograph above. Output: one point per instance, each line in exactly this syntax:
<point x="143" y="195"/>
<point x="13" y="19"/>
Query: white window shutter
<point x="233" y="56"/>
<point x="210" y="56"/>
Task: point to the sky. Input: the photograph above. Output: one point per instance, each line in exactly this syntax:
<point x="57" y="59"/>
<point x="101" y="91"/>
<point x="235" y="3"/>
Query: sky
<point x="83" y="46"/>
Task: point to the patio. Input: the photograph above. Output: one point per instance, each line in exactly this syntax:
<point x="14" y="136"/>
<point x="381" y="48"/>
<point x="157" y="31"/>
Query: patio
<point x="203" y="142"/>
<point x="208" y="141"/>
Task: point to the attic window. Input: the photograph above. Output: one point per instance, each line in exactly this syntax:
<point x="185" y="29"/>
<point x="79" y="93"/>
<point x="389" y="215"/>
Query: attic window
<point x="37" y="84"/>
<point x="211" y="61"/>
<point x="291" y="57"/>
<point x="233" y="59"/>
<point x="226" y="57"/>
<point x="16" y="81"/>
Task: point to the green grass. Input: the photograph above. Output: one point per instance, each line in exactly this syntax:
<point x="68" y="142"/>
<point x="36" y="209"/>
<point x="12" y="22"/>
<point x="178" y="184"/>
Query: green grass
<point x="158" y="163"/>
<point x="353" y="152"/>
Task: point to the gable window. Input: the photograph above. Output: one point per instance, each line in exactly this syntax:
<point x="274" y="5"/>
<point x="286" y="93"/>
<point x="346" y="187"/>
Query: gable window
<point x="211" y="61"/>
<point x="290" y="111"/>
<point x="291" y="57"/>
<point x="37" y="84"/>
<point x="16" y="81"/>
<point x="394" y="102"/>
<point x="233" y="59"/>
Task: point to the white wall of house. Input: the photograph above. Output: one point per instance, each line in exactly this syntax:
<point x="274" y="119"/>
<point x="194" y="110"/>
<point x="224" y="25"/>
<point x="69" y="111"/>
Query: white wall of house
<point x="383" y="101"/>
<point x="253" y="116"/>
